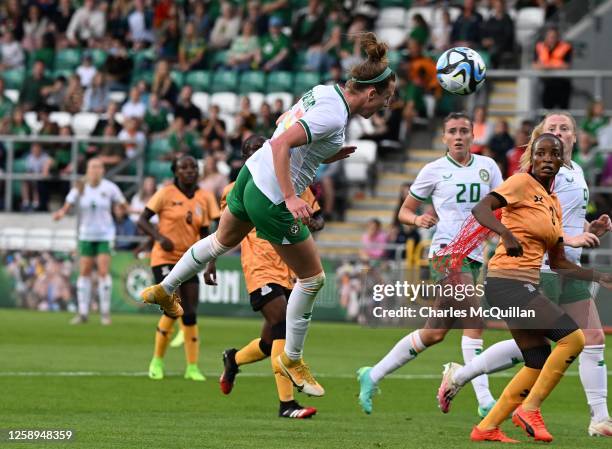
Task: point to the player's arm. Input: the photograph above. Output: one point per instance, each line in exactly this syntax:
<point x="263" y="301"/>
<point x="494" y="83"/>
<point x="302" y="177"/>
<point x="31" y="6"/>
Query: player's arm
<point x="558" y="263"/>
<point x="407" y="214"/>
<point x="62" y="211"/>
<point x="71" y="198"/>
<point x="483" y="212"/>
<point x="145" y="225"/>
<point x="599" y="227"/>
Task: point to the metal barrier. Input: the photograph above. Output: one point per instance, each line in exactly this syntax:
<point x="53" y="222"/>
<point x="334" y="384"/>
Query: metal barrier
<point x="74" y="141"/>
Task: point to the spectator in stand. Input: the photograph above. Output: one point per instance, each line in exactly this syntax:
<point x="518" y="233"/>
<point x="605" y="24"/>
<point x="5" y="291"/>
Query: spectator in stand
<point x="192" y="49"/>
<point x="131" y="131"/>
<point x="34" y="28"/>
<point x="266" y="124"/>
<point x="55" y="94"/>
<point x="116" y="24"/>
<point x="185" y="108"/>
<point x="140" y="23"/>
<point x="110" y="154"/>
<point x="244" y="50"/>
<point x="441" y="32"/>
<point x="86" y="71"/>
<point x="73" y="100"/>
<point x="212" y="179"/>
<point x="374" y="241"/>
<point x="350" y="48"/>
<point x="19" y="127"/>
<point x="201" y="19"/>
<point x="279" y="8"/>
<point x="35" y="194"/>
<point x="420" y="30"/>
<point x="213" y="127"/>
<point x="467" y="28"/>
<point x="483" y="130"/>
<point x="163" y="85"/>
<point x="14" y="18"/>
<point x="134" y="107"/>
<point x="142" y="197"/>
<point x="182" y="140"/>
<point x="124" y="227"/>
<point x="595" y="119"/>
<point x="156" y="116"/>
<point x="88" y="24"/>
<point x="47" y="127"/>
<point x="97" y="96"/>
<point x="585" y="156"/>
<point x="307" y="33"/>
<point x="108" y="117"/>
<point x="513" y="157"/>
<point x="62" y="16"/>
<point x="31" y="96"/>
<point x="501" y="142"/>
<point x="168" y="42"/>
<point x="226" y="27"/>
<point x="6" y="107"/>
<point x="422" y="69"/>
<point x="246" y="113"/>
<point x="498" y="36"/>
<point x="11" y="52"/>
<point x="255" y="14"/>
<point x="554" y="54"/>
<point x="118" y="66"/>
<point x="274" y="48"/>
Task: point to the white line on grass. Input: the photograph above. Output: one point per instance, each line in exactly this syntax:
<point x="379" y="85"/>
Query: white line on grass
<point x="211" y="374"/>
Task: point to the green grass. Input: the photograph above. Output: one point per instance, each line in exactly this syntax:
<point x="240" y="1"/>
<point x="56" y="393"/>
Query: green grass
<point x="117" y="406"/>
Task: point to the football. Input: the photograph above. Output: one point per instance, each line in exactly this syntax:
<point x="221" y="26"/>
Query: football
<point x="461" y="71"/>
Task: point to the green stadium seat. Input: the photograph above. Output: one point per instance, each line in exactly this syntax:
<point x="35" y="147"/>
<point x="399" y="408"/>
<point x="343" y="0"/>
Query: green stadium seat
<point x="280" y="82"/>
<point x="178" y="77"/>
<point x="19" y="165"/>
<point x="67" y="59"/>
<point x="390" y="3"/>
<point x="98" y="56"/>
<point x="143" y="75"/>
<point x="395" y="57"/>
<point x="253" y="81"/>
<point x="217" y="59"/>
<point x="66" y="73"/>
<point x="159" y="147"/>
<point x="224" y="81"/>
<point x="13" y="79"/>
<point x="299" y="60"/>
<point x="305" y="81"/>
<point x="46" y="55"/>
<point x="199" y="80"/>
<point x="159" y="169"/>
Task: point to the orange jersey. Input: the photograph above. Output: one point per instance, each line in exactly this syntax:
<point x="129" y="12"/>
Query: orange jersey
<point x="260" y="262"/>
<point x="180" y="220"/>
<point x="534" y="218"/>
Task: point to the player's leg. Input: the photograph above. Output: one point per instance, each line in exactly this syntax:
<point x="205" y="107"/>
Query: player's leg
<point x="303" y="259"/>
<point x="189" y="293"/>
<point x="83" y="284"/>
<point x="163" y="331"/>
<point x="105" y="282"/>
<point x="472" y="346"/>
<point x="592" y="367"/>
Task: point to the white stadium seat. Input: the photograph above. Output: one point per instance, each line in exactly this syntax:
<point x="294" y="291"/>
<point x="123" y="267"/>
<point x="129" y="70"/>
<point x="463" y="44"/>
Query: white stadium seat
<point x="395" y="37"/>
<point x="12" y="94"/>
<point x="256" y="99"/>
<point x="117" y="96"/>
<point x="356" y="171"/>
<point x="61" y="118"/>
<point x="230" y="122"/>
<point x="227" y="101"/>
<point x="201" y="100"/>
<point x="392" y="17"/>
<point x="13" y="238"/>
<point x="31" y="119"/>
<point x="84" y="123"/>
<point x="366" y="151"/>
<point x="528" y="21"/>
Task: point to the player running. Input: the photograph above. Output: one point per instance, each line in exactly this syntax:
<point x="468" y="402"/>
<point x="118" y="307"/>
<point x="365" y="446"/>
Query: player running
<point x="269" y="282"/>
<point x="455" y="182"/>
<point x="530" y="227"/>
<point x="95" y="197"/>
<point x="574" y="296"/>
<point x="183" y="212"/>
<point x="266" y="196"/>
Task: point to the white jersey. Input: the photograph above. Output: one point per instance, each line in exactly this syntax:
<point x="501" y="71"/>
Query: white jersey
<point x="455" y="189"/>
<point x="95" y="210"/>
<point x="323" y="112"/>
<point x="573" y="193"/>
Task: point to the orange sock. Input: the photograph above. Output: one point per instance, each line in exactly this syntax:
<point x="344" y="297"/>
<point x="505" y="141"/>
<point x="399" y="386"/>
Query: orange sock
<point x="192" y="343"/>
<point x="250" y="353"/>
<point x="513" y="395"/>
<point x="283" y="385"/>
<point x="162" y="335"/>
<point x="565" y="352"/>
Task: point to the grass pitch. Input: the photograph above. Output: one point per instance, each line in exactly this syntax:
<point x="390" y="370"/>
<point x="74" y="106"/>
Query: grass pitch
<point x="92" y="380"/>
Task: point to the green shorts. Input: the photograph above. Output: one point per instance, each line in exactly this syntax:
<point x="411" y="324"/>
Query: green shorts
<point x="563" y="290"/>
<point x="273" y="222"/>
<point x="92" y="249"/>
<point x="468" y="266"/>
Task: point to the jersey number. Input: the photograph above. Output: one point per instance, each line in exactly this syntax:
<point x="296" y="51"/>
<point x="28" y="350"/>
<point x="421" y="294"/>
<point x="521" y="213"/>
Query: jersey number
<point x="552" y="215"/>
<point x="474" y="193"/>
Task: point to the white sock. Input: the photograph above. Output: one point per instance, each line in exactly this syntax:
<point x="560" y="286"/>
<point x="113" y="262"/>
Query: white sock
<point x="500" y="356"/>
<point x="193" y="261"/>
<point x="593" y="375"/>
<point x="404" y="351"/>
<point x="83" y="294"/>
<point x="299" y="312"/>
<point x="471" y="347"/>
<point x="105" y="287"/>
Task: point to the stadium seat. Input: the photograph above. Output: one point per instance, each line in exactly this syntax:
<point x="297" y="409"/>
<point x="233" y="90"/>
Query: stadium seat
<point x="67" y="59"/>
<point x="201" y="100"/>
<point x="39" y="239"/>
<point x="31" y="119"/>
<point x="299" y="60"/>
<point x="142" y="75"/>
<point x="528" y="22"/>
<point x="305" y="81"/>
<point x="158" y="147"/>
<point x="230" y="122"/>
<point x="366" y="151"/>
<point x="64" y="240"/>
<point x="224" y="81"/>
<point x="66" y="73"/>
<point x="395" y="37"/>
<point x="117" y="96"/>
<point x="356" y="171"/>
<point x="14" y="238"/>
<point x="391" y="3"/>
<point x="256" y="99"/>
<point x="199" y="80"/>
<point x="285" y="97"/>
<point x="391" y="17"/>
<point x="159" y="169"/>
<point x="61" y="118"/>
<point x="395" y="58"/>
<point x="98" y="56"/>
<point x="13" y="79"/>
<point x="178" y="77"/>
<point x="227" y="101"/>
<point x="252" y="81"/>
<point x="84" y="123"/>
<point x="218" y="59"/>
<point x="12" y="94"/>
<point x="280" y="81"/>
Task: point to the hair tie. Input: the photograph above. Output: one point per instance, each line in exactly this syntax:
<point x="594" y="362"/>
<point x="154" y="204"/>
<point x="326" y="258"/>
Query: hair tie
<point x="383" y="76"/>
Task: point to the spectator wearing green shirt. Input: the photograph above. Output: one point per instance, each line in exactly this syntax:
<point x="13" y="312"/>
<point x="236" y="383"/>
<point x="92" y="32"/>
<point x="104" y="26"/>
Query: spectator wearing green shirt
<point x="31" y="95"/>
<point x="307" y="34"/>
<point x="244" y="50"/>
<point x="420" y="30"/>
<point x="595" y="119"/>
<point x="6" y="106"/>
<point x="274" y="47"/>
<point x="191" y="49"/>
<point x="19" y="127"/>
<point x="156" y="116"/>
<point x="182" y="140"/>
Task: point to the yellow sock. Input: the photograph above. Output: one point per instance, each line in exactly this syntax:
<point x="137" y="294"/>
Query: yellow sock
<point x="192" y="343"/>
<point x="567" y="349"/>
<point x="162" y="335"/>
<point x="250" y="353"/>
<point x="513" y="395"/>
<point x="283" y="385"/>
